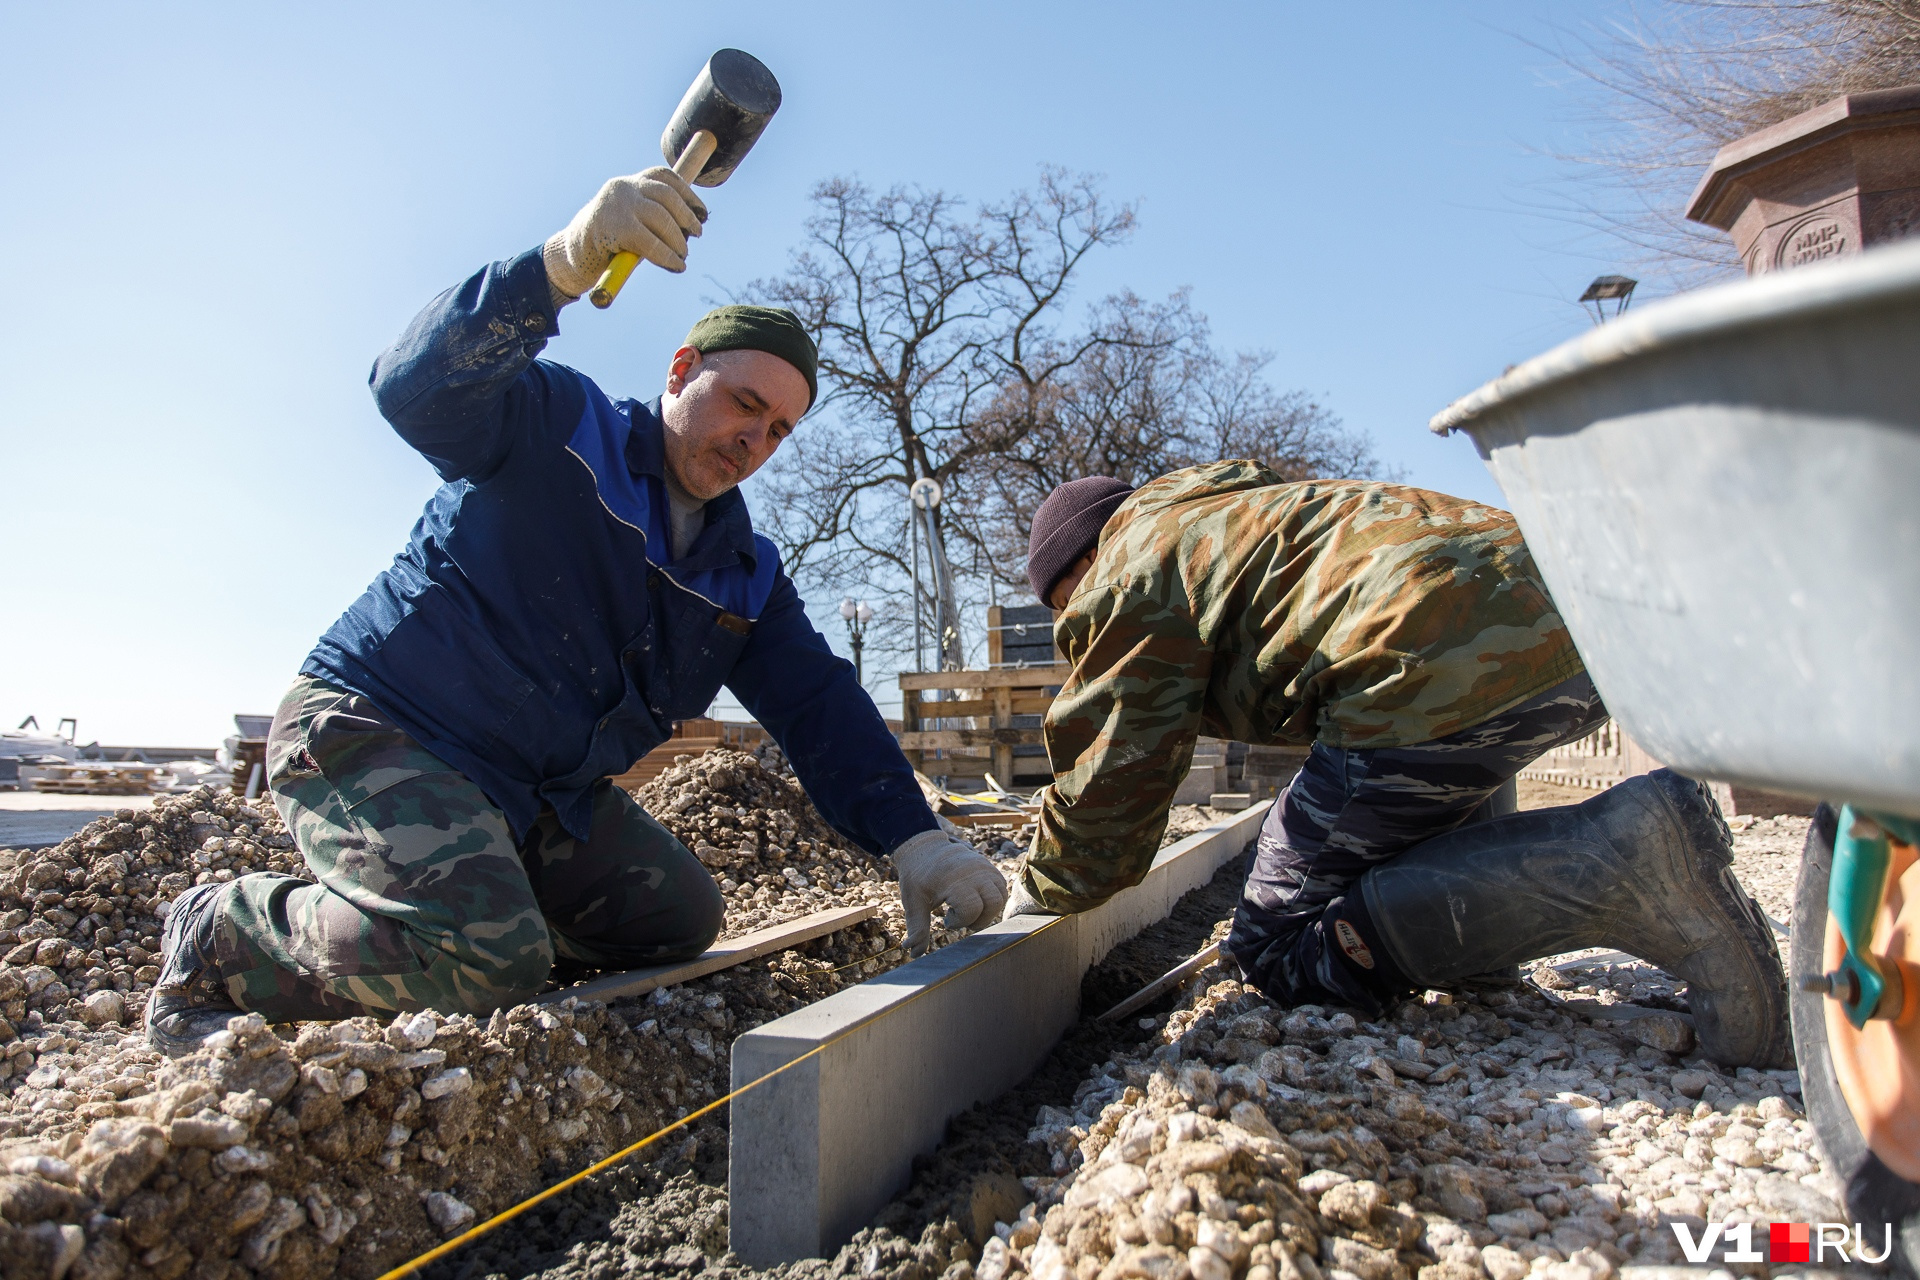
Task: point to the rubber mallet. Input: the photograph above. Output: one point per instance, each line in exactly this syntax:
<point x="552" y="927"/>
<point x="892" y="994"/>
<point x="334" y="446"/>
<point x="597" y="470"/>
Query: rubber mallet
<point x="712" y="130"/>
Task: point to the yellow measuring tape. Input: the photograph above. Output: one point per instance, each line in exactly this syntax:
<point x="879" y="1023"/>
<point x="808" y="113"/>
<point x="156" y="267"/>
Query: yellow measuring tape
<point x="474" y="1233"/>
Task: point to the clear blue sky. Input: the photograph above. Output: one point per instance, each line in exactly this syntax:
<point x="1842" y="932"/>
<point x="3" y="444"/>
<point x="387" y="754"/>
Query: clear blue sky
<point x="214" y="216"/>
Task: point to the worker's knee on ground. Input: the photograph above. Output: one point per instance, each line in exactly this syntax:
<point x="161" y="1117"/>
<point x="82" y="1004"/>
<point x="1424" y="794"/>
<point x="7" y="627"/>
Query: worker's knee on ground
<point x="705" y="915"/>
<point x="688" y="930"/>
<point x="1334" y="955"/>
<point x="630" y="895"/>
<point x="492" y="976"/>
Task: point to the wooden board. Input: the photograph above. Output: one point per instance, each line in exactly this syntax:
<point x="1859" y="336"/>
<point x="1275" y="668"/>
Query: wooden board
<point x="1004" y="678"/>
<point x="725" y="955"/>
<point x="103" y="787"/>
<point x="1010" y="819"/>
<point x="948" y="739"/>
<point x="1025" y="704"/>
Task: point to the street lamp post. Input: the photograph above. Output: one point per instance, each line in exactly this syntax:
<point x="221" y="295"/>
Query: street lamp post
<point x="1615" y="289"/>
<point x="857" y="616"/>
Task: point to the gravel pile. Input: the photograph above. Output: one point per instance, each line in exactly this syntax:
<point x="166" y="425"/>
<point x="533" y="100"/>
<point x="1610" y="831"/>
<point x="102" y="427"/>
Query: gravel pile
<point x="344" y="1148"/>
<point x="1488" y="1137"/>
<point x="1512" y="1133"/>
<point x="1518" y="1132"/>
<point x="773" y="854"/>
<point x="746" y="817"/>
<point x="80" y="922"/>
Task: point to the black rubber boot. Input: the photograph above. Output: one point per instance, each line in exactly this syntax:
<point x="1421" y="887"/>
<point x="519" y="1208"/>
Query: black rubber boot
<point x="189" y="1000"/>
<point x="1643" y="867"/>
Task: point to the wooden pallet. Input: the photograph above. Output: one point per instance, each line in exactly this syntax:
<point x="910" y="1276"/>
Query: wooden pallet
<point x="987" y="703"/>
<point x="72" y="787"/>
<point x="98" y="780"/>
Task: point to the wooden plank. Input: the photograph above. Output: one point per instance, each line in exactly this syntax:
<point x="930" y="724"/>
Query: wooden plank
<point x="1003" y="719"/>
<point x="1012" y="818"/>
<point x="725" y="955"/>
<point x="947" y="739"/>
<point x="953" y="710"/>
<point x="1021" y="704"/>
<point x="1007" y="677"/>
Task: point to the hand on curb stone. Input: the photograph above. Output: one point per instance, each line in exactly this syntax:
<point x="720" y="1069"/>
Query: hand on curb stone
<point x="937" y="868"/>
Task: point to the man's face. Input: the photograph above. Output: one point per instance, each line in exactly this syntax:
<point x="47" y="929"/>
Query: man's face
<point x="725" y="414"/>
<point x="1064" y="589"/>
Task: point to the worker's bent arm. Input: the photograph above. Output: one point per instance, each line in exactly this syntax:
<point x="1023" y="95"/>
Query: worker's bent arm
<point x="1120" y="738"/>
<point x="461" y="386"/>
<point x="807" y="697"/>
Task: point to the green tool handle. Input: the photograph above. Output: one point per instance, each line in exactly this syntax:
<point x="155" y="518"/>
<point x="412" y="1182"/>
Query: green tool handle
<point x="1862" y="858"/>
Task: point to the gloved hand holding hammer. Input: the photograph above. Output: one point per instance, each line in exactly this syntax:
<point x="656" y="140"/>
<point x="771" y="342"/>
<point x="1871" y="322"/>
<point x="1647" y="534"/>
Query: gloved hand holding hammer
<point x="649" y="214"/>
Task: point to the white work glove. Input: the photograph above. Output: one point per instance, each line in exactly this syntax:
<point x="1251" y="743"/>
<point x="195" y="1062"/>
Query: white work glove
<point x="935" y="867"/>
<point x="1022" y="903"/>
<point x="649" y="214"/>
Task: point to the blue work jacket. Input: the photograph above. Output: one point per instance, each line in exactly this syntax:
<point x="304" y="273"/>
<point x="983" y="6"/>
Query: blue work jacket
<point x="535" y="633"/>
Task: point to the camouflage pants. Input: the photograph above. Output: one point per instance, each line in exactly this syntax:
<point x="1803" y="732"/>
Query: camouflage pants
<point x="423" y="899"/>
<point x="1348" y="811"/>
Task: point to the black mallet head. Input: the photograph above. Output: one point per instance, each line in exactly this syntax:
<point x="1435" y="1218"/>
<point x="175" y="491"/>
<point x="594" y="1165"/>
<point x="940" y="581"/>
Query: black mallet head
<point x="732" y="98"/>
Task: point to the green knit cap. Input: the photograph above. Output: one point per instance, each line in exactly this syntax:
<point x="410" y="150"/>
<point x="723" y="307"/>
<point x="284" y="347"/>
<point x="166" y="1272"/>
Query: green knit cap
<point x="774" y="330"/>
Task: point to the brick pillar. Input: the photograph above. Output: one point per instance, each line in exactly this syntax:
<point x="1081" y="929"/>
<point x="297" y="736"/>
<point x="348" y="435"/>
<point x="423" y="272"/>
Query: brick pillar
<point x="1825" y="183"/>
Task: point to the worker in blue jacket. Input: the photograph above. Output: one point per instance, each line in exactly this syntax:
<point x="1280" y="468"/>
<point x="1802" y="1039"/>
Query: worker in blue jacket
<point x="586" y="575"/>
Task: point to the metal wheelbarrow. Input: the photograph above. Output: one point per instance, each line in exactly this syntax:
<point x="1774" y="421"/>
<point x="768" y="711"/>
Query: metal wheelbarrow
<point x="1723" y="493"/>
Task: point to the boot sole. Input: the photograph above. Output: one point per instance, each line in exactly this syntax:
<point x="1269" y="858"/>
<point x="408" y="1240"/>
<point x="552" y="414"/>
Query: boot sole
<point x="179" y="1045"/>
<point x="1746" y="931"/>
<point x="169" y="1043"/>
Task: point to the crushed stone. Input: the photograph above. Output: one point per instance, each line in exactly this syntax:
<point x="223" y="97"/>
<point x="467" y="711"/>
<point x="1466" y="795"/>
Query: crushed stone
<point x="745" y="816"/>
<point x="320" y="1149"/>
<point x="1499" y="1134"/>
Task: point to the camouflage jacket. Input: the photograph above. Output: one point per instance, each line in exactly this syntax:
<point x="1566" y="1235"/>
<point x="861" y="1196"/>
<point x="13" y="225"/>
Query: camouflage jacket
<point x="1223" y="600"/>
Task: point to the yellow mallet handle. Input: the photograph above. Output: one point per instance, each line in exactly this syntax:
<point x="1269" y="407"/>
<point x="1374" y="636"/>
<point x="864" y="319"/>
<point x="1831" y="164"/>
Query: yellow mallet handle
<point x="692" y="160"/>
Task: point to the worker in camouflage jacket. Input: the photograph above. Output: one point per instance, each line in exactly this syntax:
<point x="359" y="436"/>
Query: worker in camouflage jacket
<point x="1408" y="638"/>
<point x="586" y="575"/>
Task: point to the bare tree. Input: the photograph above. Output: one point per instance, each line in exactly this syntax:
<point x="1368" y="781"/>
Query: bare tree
<point x="1683" y="78"/>
<point x="1138" y="409"/>
<point x="943" y="356"/>
<point x="923" y="309"/>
